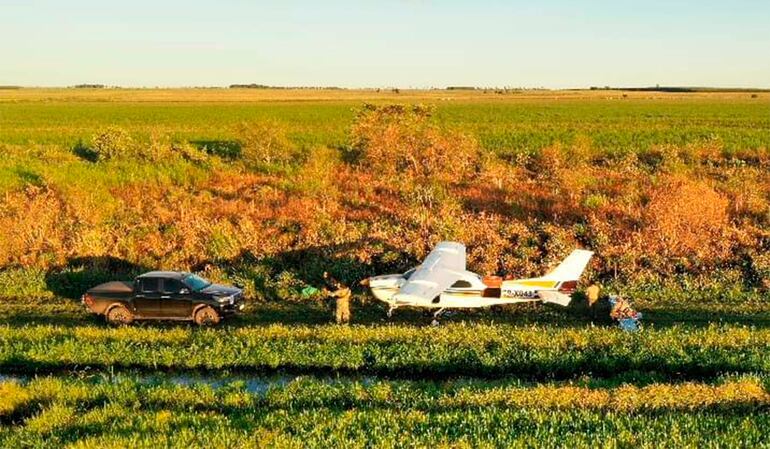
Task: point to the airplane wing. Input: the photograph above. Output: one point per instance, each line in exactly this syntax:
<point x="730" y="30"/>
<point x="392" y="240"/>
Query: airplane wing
<point x="442" y="268"/>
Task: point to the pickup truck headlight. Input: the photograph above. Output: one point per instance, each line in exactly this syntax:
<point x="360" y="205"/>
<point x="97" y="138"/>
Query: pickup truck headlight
<point x="225" y="300"/>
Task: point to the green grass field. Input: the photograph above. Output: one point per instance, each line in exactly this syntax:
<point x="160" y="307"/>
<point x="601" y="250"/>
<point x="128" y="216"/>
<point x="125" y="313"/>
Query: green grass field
<point x="613" y="124"/>
<point x="308" y="412"/>
<point x="103" y="184"/>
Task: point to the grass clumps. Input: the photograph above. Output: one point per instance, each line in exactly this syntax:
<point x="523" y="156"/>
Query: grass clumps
<point x="308" y="412"/>
<point x="264" y="143"/>
<point x="539" y="352"/>
<point x="113" y="143"/>
<point x="13" y="397"/>
<point x="116" y="144"/>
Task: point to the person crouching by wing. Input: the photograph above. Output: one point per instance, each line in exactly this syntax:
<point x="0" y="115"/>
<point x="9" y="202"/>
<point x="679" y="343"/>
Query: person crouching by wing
<point x="341" y="294"/>
<point x="624" y="314"/>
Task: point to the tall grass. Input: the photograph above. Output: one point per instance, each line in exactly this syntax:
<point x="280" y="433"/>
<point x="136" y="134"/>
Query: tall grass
<point x="539" y="352"/>
<point x="50" y="412"/>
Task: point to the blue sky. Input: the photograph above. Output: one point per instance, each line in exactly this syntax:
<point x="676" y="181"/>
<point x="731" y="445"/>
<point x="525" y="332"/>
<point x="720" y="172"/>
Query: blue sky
<point x="417" y="43"/>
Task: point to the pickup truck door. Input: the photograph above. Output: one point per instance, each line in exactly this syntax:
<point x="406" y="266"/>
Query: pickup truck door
<point x="176" y="300"/>
<point x="147" y="297"/>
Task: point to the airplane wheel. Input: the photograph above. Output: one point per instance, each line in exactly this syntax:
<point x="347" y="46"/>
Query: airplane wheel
<point x="434" y="323"/>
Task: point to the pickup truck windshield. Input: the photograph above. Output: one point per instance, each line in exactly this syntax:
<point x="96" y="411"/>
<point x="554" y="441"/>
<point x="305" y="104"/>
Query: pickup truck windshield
<point x="196" y="283"/>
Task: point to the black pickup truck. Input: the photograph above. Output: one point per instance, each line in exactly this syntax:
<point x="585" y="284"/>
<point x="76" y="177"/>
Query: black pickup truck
<point x="164" y="295"/>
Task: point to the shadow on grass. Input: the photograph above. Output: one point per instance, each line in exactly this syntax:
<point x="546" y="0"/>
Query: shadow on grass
<point x="65" y="312"/>
<point x="666" y="316"/>
<point x="29" y="177"/>
<point x="307" y="265"/>
<point x="81" y="273"/>
<point x="226" y="149"/>
<point x="343" y="261"/>
<point x="85" y="152"/>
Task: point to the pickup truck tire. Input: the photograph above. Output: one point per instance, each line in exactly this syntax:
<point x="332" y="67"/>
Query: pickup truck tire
<point x="206" y="316"/>
<point x="118" y="315"/>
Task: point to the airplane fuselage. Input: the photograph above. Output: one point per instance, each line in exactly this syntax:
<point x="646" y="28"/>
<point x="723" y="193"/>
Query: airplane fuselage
<point x="442" y="281"/>
<point x="468" y="292"/>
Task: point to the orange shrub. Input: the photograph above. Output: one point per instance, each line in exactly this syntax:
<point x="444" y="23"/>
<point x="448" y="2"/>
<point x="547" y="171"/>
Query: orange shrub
<point x="41" y="227"/>
<point x="31" y="221"/>
<point x="686" y="218"/>
<point x="396" y="141"/>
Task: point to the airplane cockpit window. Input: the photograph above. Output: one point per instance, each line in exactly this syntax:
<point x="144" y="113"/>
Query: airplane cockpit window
<point x="461" y="284"/>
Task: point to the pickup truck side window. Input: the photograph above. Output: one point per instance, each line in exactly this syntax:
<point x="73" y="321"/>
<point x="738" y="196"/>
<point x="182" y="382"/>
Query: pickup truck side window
<point x="171" y="286"/>
<point x="149" y="285"/>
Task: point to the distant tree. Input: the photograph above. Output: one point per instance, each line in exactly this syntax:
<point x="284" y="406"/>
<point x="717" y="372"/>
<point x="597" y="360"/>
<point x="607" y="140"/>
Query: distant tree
<point x="249" y="86"/>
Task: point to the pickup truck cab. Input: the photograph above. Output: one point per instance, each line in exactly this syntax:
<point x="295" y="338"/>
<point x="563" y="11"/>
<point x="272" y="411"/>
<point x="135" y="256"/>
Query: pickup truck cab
<point x="164" y="295"/>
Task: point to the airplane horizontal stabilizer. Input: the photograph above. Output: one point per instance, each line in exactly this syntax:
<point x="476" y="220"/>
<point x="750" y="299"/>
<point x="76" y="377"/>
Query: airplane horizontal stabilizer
<point x="555" y="298"/>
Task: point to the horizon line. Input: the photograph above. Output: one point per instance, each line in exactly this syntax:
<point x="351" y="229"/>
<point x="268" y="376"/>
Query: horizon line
<point x="256" y="86"/>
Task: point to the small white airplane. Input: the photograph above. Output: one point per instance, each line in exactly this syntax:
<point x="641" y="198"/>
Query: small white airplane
<point x="441" y="282"/>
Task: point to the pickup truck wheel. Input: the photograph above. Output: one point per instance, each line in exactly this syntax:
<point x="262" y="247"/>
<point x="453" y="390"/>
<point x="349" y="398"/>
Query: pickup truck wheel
<point x="119" y="315"/>
<point x="206" y="316"/>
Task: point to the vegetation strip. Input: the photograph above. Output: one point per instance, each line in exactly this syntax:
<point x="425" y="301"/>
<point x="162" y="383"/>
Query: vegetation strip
<point x="52" y="412"/>
<point x="669" y="191"/>
<point x="732" y="393"/>
<point x="538" y="352"/>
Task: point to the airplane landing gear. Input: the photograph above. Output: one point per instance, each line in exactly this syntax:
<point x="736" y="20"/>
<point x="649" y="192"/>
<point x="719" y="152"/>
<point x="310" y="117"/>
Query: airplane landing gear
<point x="436" y="314"/>
<point x="390" y="311"/>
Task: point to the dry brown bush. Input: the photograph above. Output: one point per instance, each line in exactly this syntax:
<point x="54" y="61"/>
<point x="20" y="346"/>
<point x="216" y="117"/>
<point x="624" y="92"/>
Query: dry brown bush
<point x="686" y="218"/>
<point x="397" y="141"/>
<point x="41" y="227"/>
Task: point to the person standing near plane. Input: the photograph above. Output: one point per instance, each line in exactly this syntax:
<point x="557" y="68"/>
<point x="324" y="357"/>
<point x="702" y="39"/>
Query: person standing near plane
<point x="341" y="294"/>
<point x="592" y="294"/>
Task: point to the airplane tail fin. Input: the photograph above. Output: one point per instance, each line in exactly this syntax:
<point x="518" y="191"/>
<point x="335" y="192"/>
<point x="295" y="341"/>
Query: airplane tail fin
<point x="570" y="269"/>
<point x="566" y="276"/>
